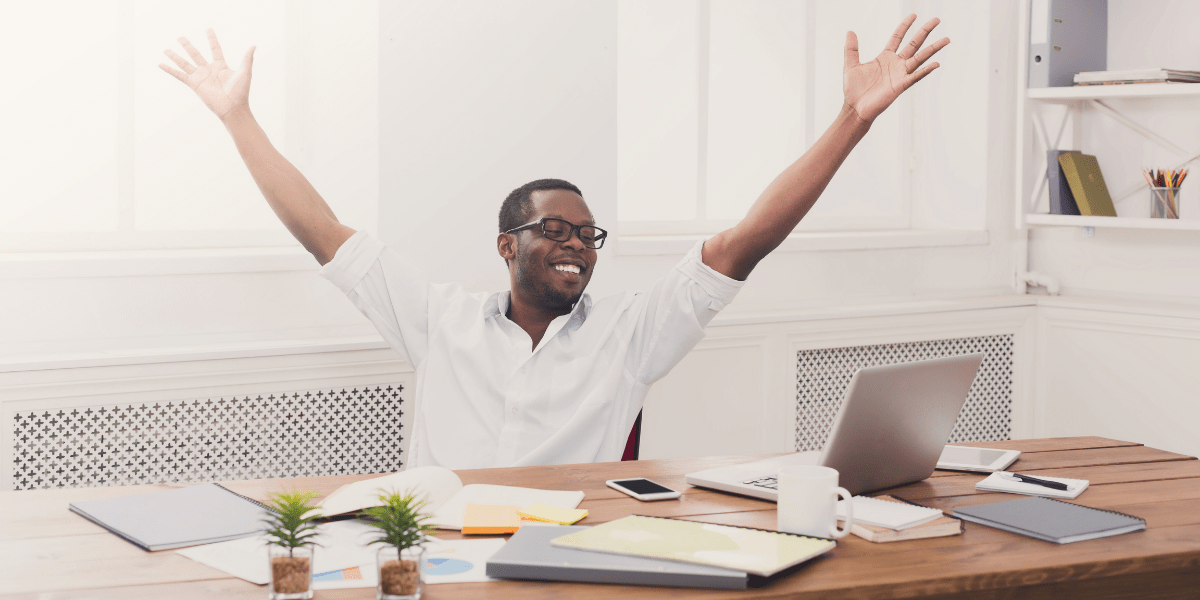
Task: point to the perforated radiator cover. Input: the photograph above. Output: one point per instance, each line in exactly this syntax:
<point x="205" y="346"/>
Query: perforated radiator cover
<point x="823" y="375"/>
<point x="306" y="433"/>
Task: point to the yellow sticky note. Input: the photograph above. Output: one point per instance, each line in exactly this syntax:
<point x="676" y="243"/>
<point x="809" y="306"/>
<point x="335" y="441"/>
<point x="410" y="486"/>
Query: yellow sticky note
<point x="490" y="519"/>
<point x="553" y="514"/>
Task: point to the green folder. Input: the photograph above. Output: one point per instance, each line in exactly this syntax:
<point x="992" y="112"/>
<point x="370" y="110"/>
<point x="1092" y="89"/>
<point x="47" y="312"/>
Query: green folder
<point x="1087" y="185"/>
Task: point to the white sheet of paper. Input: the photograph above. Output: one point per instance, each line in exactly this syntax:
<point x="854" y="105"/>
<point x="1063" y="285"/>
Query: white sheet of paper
<point x="444" y="560"/>
<point x="344" y="546"/>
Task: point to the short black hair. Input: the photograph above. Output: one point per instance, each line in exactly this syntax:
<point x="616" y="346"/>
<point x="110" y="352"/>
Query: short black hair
<point x="517" y="209"/>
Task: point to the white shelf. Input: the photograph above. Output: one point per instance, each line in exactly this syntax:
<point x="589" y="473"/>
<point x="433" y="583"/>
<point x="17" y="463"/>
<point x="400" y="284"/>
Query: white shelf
<point x="1044" y="220"/>
<point x="1100" y="92"/>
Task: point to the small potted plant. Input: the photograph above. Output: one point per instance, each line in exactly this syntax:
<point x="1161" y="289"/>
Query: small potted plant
<point x="290" y="529"/>
<point x="401" y="531"/>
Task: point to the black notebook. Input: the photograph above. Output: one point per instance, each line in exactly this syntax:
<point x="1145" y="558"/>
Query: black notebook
<point x="199" y="514"/>
<point x="1051" y="520"/>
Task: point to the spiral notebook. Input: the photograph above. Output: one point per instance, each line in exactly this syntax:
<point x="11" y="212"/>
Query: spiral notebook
<point x="198" y="514"/>
<point x="1051" y="520"/>
<point x="755" y="551"/>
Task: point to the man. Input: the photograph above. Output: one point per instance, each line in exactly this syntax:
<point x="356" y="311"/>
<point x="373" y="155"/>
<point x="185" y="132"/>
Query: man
<point x="543" y="374"/>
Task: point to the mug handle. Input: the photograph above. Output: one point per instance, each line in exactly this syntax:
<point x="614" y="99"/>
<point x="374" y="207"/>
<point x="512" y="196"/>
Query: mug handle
<point x="833" y="530"/>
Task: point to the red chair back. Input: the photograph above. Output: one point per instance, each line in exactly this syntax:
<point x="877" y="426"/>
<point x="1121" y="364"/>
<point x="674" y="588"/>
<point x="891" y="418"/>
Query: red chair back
<point x="635" y="440"/>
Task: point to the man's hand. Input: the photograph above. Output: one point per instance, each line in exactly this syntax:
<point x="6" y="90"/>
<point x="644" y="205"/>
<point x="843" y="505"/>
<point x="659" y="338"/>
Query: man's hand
<point x="222" y="89"/>
<point x="872" y="87"/>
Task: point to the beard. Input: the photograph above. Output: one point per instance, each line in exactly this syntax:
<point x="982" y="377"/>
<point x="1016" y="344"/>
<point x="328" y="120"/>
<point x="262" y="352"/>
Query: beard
<point x="540" y="290"/>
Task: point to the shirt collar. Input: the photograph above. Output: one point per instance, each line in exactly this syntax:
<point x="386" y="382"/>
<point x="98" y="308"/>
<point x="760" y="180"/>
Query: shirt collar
<point x="497" y="305"/>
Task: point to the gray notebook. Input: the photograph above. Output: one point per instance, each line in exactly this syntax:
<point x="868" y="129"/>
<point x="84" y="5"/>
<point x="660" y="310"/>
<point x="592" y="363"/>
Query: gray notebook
<point x="1051" y="520"/>
<point x="529" y="555"/>
<point x="198" y="514"/>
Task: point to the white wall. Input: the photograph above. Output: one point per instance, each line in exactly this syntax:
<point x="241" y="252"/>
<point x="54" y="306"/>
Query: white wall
<point x="60" y="303"/>
<point x="479" y="98"/>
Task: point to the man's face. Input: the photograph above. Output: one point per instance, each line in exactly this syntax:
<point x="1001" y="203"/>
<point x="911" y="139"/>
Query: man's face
<point x="545" y="270"/>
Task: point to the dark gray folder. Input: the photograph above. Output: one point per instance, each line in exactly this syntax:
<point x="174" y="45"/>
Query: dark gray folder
<point x="529" y="555"/>
<point x="1051" y="520"/>
<point x="198" y="514"/>
<point x="1062" y="201"/>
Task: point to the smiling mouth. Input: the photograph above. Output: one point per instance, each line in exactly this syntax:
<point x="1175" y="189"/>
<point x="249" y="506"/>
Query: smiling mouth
<point x="573" y="269"/>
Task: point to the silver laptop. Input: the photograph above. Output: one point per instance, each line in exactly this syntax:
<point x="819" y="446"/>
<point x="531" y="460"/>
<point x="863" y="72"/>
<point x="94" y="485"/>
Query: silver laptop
<point x="890" y="430"/>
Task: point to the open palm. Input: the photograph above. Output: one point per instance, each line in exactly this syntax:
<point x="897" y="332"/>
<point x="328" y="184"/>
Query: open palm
<point x="222" y="89"/>
<point x="871" y="87"/>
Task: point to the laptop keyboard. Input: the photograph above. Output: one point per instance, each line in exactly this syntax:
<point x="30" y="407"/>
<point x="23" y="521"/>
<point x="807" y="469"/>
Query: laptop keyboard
<point x="764" y="482"/>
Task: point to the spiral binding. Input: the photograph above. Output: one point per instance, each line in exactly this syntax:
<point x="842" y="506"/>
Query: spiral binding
<point x="247" y="498"/>
<point x="1111" y="512"/>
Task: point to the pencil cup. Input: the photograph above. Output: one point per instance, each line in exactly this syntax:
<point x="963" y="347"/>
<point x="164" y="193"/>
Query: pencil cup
<point x="1164" y="202"/>
<point x="808" y="502"/>
<point x="401" y="573"/>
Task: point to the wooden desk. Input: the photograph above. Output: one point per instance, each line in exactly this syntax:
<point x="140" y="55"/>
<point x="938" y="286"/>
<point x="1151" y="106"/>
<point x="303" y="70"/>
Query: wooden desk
<point x="48" y="552"/>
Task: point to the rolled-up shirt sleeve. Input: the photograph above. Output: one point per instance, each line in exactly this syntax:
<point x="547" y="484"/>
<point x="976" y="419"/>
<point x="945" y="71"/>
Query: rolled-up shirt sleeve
<point x="387" y="290"/>
<point x="676" y="311"/>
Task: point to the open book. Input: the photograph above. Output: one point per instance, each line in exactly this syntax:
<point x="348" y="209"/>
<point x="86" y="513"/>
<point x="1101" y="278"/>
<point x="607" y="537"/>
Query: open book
<point x="445" y="496"/>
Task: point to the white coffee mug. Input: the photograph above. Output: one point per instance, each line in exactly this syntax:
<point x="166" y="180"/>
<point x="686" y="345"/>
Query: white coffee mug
<point x="808" y="501"/>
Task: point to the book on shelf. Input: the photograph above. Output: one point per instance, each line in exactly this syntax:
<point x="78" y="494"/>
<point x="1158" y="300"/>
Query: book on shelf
<point x="1137" y="76"/>
<point x="940" y="526"/>
<point x="1087" y="184"/>
<point x="1061" y="200"/>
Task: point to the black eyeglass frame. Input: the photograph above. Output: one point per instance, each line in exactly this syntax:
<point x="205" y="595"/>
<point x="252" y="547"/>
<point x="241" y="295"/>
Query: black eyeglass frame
<point x="576" y="230"/>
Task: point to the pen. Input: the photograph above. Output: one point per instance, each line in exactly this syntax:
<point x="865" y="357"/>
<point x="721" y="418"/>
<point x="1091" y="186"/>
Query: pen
<point x="1042" y="482"/>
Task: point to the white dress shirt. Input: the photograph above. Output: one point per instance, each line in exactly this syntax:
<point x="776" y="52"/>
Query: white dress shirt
<point x="486" y="398"/>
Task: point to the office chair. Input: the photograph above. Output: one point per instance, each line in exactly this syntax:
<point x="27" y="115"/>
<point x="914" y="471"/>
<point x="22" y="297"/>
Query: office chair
<point x="635" y="440"/>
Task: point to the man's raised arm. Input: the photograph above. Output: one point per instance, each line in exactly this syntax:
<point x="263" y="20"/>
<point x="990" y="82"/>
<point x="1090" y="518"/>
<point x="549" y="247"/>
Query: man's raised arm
<point x="227" y="93"/>
<point x="869" y="88"/>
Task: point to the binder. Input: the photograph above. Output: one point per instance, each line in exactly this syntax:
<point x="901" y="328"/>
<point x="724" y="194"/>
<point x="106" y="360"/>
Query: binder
<point x="1066" y="37"/>
<point x="528" y="554"/>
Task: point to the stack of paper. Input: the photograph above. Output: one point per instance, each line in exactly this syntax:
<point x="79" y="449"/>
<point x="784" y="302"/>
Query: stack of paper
<point x="1136" y="76"/>
<point x="490" y="519"/>
<point x="552" y="514"/>
<point x="884" y="513"/>
<point x="910" y="524"/>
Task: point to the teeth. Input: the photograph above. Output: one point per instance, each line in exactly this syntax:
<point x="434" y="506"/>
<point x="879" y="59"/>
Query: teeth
<point x="568" y="268"/>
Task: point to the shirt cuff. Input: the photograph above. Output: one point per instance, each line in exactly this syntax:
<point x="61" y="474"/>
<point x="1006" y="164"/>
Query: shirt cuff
<point x="720" y="288"/>
<point x="352" y="261"/>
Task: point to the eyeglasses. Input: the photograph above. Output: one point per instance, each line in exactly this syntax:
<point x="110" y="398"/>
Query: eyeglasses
<point x="560" y="231"/>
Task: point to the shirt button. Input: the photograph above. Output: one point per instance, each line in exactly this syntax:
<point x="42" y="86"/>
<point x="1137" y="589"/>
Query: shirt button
<point x="524" y="369"/>
<point x="514" y="410"/>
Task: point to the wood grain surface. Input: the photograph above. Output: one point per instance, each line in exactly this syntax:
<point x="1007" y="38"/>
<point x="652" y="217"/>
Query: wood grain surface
<point x="47" y="552"/>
